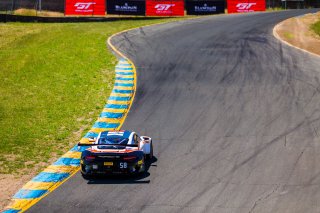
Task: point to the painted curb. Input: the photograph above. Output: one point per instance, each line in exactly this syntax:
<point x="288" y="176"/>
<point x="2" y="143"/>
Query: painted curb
<point x="277" y="36"/>
<point x="111" y="118"/>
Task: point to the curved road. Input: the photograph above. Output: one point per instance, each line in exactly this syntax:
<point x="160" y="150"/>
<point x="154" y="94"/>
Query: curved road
<point x="234" y="115"/>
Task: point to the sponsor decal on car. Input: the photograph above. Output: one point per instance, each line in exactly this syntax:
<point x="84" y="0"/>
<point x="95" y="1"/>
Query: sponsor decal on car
<point x="120" y="133"/>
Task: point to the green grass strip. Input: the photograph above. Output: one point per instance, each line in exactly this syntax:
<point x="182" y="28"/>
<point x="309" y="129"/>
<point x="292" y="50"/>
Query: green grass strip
<point x="316" y="27"/>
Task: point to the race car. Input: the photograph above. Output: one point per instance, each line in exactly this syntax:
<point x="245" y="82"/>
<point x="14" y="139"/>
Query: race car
<point x="116" y="152"/>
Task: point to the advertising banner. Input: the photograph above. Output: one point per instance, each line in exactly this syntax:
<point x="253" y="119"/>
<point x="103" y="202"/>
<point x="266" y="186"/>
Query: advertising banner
<point x="165" y="8"/>
<point x="206" y="7"/>
<point x="126" y="7"/>
<point x="85" y="7"/>
<point x="242" y="6"/>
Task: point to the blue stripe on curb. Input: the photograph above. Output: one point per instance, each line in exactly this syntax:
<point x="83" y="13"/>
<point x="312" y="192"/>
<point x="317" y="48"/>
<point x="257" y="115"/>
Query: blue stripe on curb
<point x="123" y="85"/>
<point x="105" y="125"/>
<point x="124" y="79"/>
<point x="91" y="135"/>
<point x="124" y="73"/>
<point x="77" y="148"/>
<point x="50" y="177"/>
<point x="123" y="68"/>
<point x="11" y="210"/>
<point x="116" y="98"/>
<point x="116" y="106"/>
<point x="67" y="162"/>
<point x="111" y="115"/>
<point x="122" y="91"/>
<point x="28" y="193"/>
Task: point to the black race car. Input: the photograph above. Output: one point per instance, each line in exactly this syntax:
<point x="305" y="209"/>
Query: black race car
<point x="116" y="152"/>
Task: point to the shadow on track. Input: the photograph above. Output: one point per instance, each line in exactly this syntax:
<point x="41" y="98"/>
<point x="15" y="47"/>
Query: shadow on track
<point x="124" y="179"/>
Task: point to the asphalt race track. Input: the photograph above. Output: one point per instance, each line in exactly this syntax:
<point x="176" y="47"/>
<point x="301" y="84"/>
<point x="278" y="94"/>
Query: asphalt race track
<point x="235" y="119"/>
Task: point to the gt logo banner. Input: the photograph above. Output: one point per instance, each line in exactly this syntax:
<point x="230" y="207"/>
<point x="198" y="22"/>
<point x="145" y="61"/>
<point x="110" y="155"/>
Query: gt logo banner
<point x="85" y="7"/>
<point x="240" y="6"/>
<point x="165" y="8"/>
<point x="245" y="6"/>
<point x="161" y="7"/>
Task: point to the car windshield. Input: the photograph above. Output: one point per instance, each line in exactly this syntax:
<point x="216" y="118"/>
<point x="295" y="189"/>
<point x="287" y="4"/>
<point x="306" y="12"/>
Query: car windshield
<point x="113" y="140"/>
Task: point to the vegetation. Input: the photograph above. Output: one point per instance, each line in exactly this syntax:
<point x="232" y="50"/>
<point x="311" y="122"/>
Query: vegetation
<point x="271" y="9"/>
<point x="288" y="35"/>
<point x="31" y="12"/>
<point x="316" y="27"/>
<point x="55" y="79"/>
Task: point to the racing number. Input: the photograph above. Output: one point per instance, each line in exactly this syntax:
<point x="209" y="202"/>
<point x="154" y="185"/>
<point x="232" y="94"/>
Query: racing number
<point x="123" y="165"/>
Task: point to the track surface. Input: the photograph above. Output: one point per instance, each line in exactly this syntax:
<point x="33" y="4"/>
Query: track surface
<point x="234" y="116"/>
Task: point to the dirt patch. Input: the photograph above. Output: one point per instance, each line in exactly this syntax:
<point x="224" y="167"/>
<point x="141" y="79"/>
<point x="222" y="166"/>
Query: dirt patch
<point x="296" y="31"/>
<point x="9" y="185"/>
<point x="29" y="12"/>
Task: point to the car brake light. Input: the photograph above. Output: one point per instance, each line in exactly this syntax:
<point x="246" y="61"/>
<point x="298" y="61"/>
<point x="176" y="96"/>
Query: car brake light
<point x="90" y="157"/>
<point x="129" y="158"/>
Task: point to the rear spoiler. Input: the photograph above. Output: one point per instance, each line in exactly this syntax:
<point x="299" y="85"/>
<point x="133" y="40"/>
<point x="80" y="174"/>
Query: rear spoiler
<point x="91" y="144"/>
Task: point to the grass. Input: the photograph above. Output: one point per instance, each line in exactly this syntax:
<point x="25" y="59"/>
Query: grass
<point x="316" y="27"/>
<point x="55" y="81"/>
<point x="288" y="35"/>
<point x="270" y="9"/>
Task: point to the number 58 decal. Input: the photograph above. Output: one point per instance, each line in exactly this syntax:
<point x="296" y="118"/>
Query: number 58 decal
<point x="123" y="165"/>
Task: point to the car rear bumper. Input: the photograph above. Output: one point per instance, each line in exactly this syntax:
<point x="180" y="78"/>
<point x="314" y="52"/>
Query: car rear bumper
<point x="98" y="168"/>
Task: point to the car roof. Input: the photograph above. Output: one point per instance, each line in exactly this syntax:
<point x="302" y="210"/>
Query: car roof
<point x="121" y="133"/>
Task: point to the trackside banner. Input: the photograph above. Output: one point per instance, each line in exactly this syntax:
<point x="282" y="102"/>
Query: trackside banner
<point x="165" y="8"/>
<point x="242" y="6"/>
<point x="205" y="7"/>
<point x="126" y="7"/>
<point x="85" y="7"/>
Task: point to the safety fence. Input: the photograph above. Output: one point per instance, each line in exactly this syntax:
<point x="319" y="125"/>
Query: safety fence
<point x="9" y="6"/>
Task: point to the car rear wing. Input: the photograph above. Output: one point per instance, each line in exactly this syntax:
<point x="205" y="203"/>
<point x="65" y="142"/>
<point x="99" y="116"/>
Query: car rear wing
<point x="92" y="144"/>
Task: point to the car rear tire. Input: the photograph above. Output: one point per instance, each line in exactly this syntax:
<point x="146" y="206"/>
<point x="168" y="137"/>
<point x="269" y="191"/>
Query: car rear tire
<point x="86" y="176"/>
